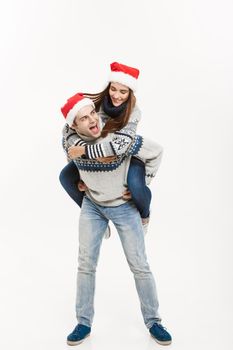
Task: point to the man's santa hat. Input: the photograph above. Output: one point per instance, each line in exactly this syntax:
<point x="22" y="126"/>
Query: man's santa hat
<point x="73" y="106"/>
<point x="123" y="74"/>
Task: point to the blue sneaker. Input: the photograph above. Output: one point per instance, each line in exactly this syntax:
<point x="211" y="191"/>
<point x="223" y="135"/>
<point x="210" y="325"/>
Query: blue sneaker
<point x="78" y="335"/>
<point x="160" y="334"/>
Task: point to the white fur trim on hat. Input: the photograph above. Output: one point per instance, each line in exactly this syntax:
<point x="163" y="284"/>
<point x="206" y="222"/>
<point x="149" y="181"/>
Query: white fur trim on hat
<point x="76" y="108"/>
<point x="123" y="78"/>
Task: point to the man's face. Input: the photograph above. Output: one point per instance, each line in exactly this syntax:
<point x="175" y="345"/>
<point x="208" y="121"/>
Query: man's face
<point x="87" y="122"/>
<point x="118" y="93"/>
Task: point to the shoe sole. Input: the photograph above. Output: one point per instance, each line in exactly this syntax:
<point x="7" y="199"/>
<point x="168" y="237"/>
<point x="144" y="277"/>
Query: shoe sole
<point x="168" y="342"/>
<point x="72" y="343"/>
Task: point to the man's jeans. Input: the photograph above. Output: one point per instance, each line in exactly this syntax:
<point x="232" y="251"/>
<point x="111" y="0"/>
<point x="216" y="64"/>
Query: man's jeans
<point x="92" y="225"/>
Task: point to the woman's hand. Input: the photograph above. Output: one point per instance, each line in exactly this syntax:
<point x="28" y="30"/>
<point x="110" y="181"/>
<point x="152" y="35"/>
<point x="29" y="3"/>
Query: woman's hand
<point x="106" y="159"/>
<point x="76" y="151"/>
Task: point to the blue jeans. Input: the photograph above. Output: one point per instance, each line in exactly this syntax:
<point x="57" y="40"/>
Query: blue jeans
<point x="141" y="194"/>
<point x="92" y="225"/>
<point x="69" y="178"/>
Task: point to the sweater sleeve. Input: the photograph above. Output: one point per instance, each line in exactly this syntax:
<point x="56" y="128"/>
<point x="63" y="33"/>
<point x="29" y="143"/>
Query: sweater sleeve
<point x="71" y="137"/>
<point x="151" y="154"/>
<point x="65" y="149"/>
<point x="120" y="142"/>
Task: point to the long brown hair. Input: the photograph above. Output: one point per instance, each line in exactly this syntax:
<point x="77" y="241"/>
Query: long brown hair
<point x="113" y="124"/>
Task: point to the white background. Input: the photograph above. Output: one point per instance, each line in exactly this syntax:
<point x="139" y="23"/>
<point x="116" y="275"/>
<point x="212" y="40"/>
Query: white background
<point x="49" y="51"/>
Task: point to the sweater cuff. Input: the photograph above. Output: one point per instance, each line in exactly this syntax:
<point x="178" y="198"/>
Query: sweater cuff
<point x="148" y="179"/>
<point x="86" y="152"/>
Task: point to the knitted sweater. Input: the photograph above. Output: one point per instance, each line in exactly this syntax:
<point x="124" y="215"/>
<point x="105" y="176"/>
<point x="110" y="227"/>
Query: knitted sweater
<point x="117" y="145"/>
<point x="106" y="182"/>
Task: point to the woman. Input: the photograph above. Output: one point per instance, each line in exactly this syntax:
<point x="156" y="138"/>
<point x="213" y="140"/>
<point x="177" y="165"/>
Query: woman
<point x="116" y="105"/>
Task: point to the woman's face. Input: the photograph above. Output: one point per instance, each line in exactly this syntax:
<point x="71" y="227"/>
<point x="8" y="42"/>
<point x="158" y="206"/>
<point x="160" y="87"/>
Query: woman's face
<point x="118" y="93"/>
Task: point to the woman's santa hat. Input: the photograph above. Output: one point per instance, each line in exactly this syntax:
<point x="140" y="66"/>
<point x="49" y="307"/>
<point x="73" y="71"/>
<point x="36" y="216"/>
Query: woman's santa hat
<point x="73" y="106"/>
<point x="123" y="74"/>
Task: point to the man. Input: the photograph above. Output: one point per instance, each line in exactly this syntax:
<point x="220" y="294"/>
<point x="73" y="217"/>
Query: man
<point x="106" y="181"/>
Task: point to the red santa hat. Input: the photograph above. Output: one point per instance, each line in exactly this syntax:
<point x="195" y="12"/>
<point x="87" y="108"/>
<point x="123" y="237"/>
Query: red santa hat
<point x="73" y="105"/>
<point x="123" y="74"/>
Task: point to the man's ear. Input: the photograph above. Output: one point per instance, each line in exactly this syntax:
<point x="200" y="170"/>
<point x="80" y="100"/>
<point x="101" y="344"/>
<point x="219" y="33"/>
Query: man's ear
<point x="74" y="125"/>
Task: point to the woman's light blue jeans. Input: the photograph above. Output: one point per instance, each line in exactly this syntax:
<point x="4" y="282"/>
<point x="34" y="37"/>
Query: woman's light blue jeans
<point x="92" y="225"/>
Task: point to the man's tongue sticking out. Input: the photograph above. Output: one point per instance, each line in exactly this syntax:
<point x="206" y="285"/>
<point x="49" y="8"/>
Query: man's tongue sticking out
<point x="94" y="129"/>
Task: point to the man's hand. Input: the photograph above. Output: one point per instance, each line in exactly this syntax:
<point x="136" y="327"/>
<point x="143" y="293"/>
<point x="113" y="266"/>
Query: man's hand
<point x="82" y="186"/>
<point x="126" y="195"/>
<point x="76" y="151"/>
